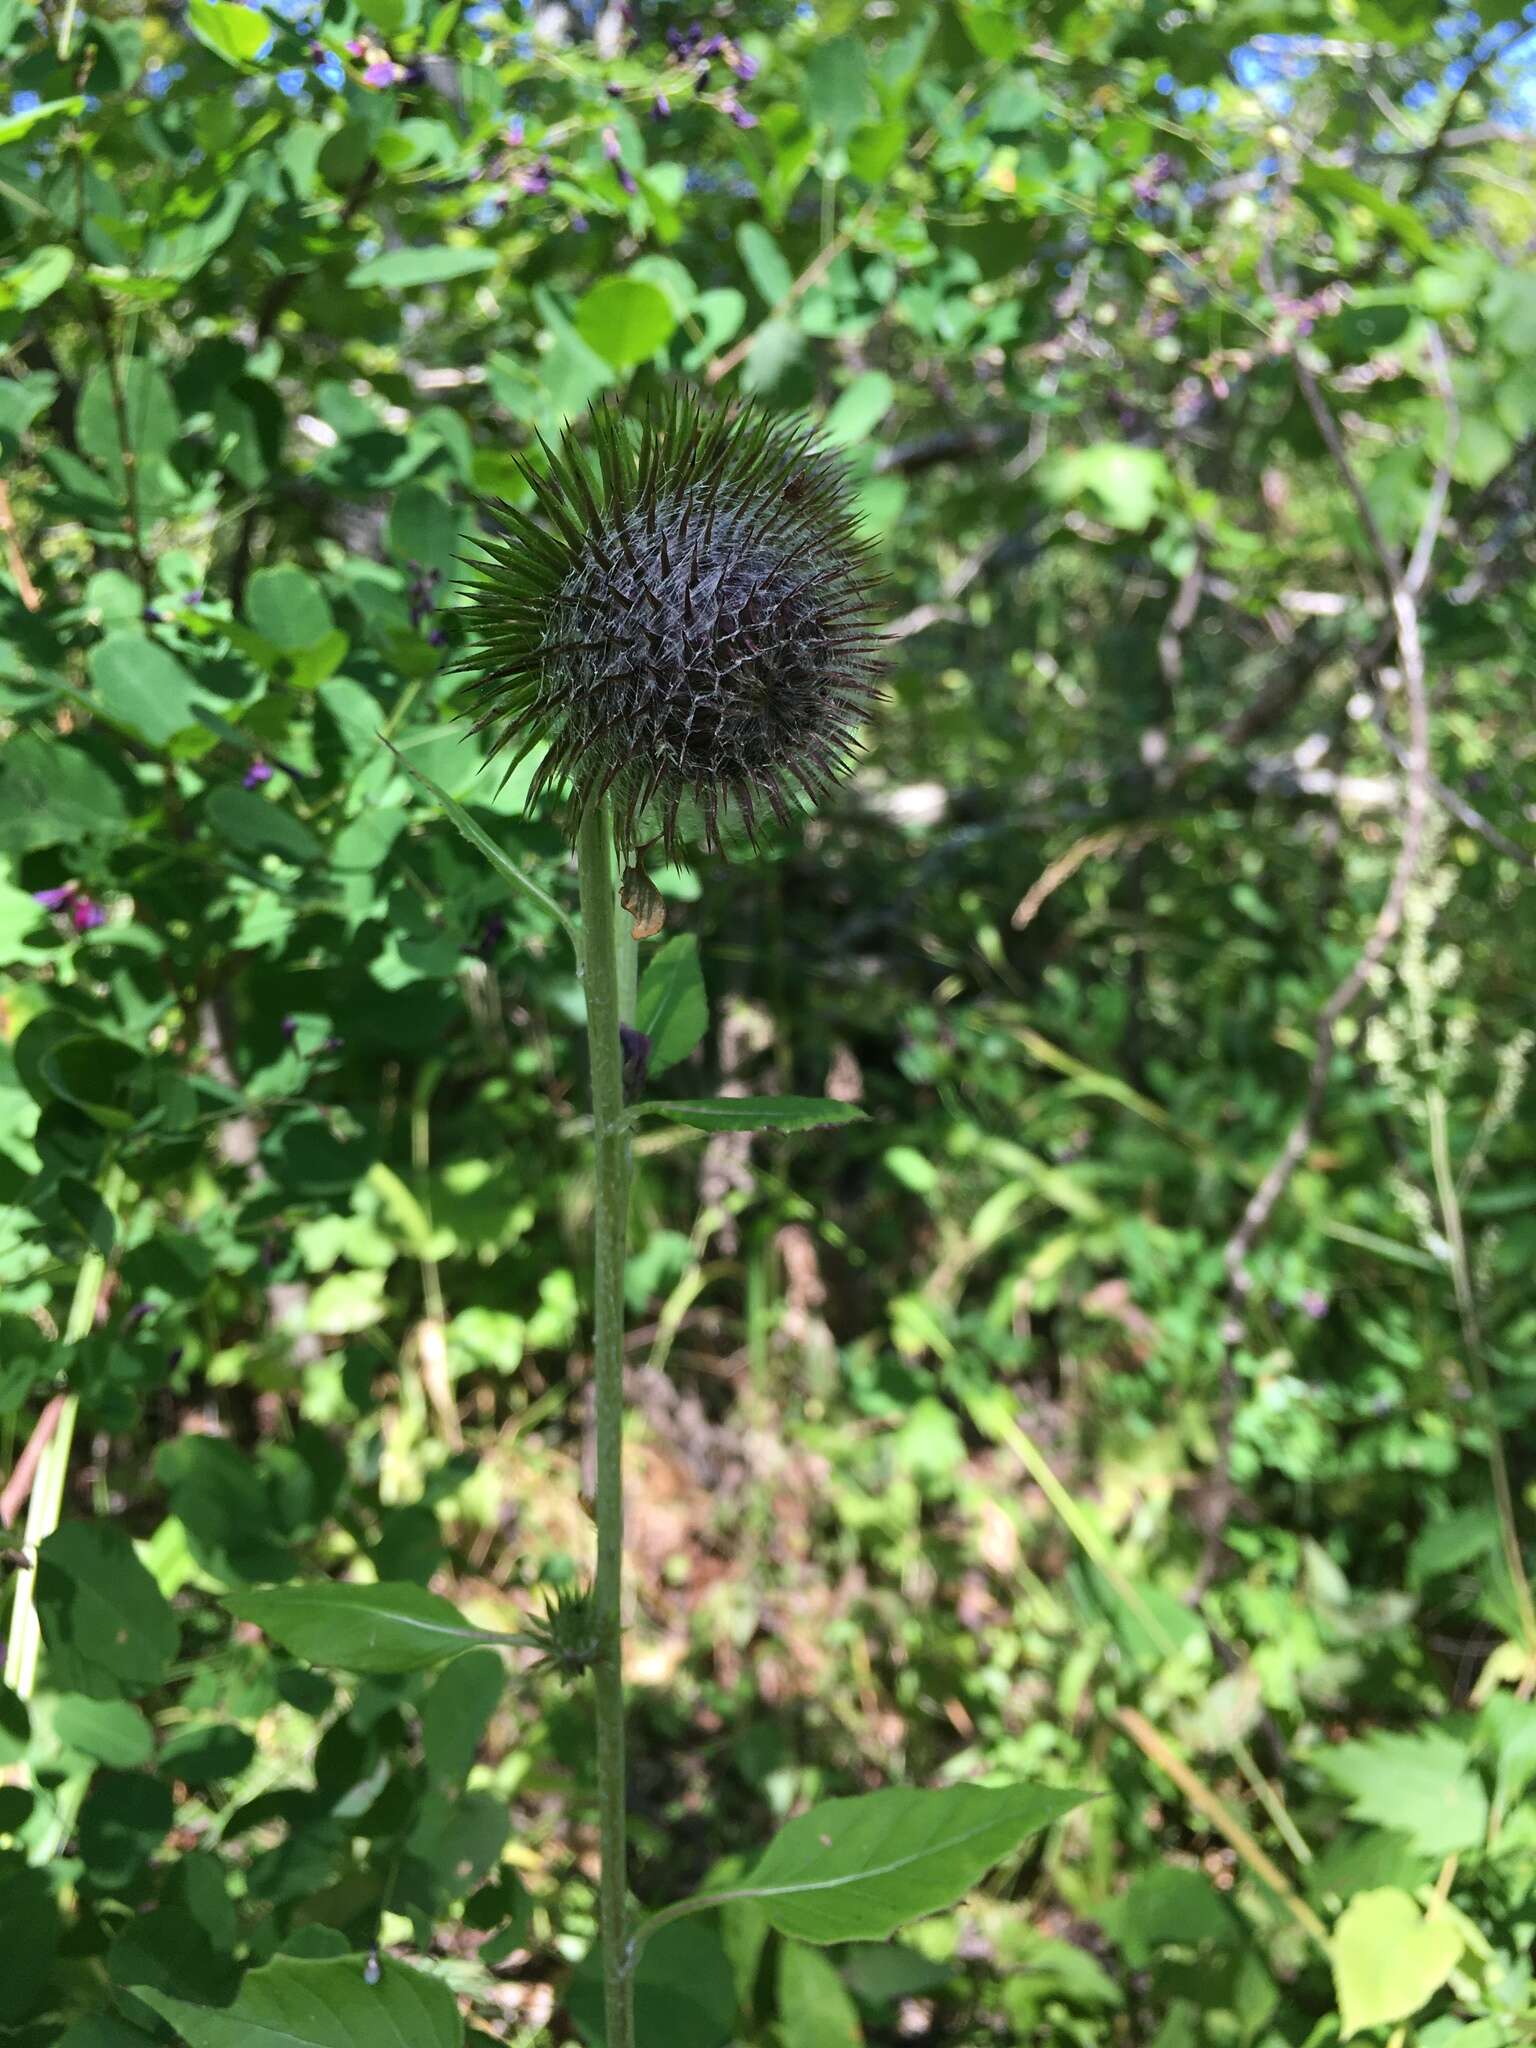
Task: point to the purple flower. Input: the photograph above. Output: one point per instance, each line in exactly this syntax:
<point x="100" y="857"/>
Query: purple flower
<point x="55" y="899"/>
<point x="729" y="104"/>
<point x="745" y="67"/>
<point x="515" y="131"/>
<point x="578" y="223"/>
<point x="536" y="178"/>
<point x="383" y="71"/>
<point x="612" y="152"/>
<point x="1314" y="1304"/>
<point x="290" y="1029"/>
<point x="661" y="108"/>
<point x="86" y="915"/>
<point x="260" y="771"/>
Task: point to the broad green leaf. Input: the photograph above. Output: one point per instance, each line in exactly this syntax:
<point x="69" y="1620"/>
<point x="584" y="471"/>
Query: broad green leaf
<point x="233" y="32"/>
<point x="1123" y="483"/>
<point x="424" y="528"/>
<point x="149" y="411"/>
<point x="112" y="1731"/>
<point x="107" y="1629"/>
<point x="141" y="685"/>
<point x="1388" y="1959"/>
<point x="859" y="410"/>
<point x="815" y="2010"/>
<point x="1422" y="1784"/>
<point x="367" y="1629"/>
<point x="455" y="1712"/>
<point x="293" y="2003"/>
<point x="837" y="85"/>
<point x="754" y="1113"/>
<point x="857" y="1869"/>
<point x="626" y="320"/>
<point x="672" y="1008"/>
<point x="483" y="843"/>
<point x="287" y="606"/>
<point x="685" y="1995"/>
<point x="405" y="269"/>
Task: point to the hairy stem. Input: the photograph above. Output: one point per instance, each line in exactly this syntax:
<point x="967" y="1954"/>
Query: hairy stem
<point x="600" y="961"/>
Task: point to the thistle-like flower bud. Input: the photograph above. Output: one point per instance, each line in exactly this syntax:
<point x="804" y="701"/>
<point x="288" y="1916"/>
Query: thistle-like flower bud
<point x="684" y="619"/>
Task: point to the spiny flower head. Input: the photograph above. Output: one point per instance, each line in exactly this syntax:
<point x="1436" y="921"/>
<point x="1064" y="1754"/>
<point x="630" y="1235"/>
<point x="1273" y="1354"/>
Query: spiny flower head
<point x="683" y="618"/>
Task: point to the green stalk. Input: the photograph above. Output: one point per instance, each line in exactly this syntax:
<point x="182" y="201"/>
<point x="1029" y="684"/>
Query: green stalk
<point x="46" y="1501"/>
<point x="600" y="965"/>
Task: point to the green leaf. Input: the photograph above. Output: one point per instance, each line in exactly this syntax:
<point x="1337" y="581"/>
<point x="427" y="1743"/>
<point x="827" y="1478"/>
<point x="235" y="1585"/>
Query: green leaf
<point x="19" y="125"/>
<point x="37" y="277"/>
<point x="626" y="320"/>
<point x="141" y="685"/>
<point x="107" y="1629"/>
<point x="456" y="1710"/>
<point x="483" y="843"/>
<point x="424" y="528"/>
<point x="1125" y="482"/>
<point x="765" y="263"/>
<point x="405" y="269"/>
<point x="112" y="1731"/>
<point x="837" y="85"/>
<point x="293" y="2003"/>
<point x="859" y="410"/>
<point x="685" y="1995"/>
<point x="814" y="2009"/>
<point x="255" y="824"/>
<point x="1422" y="1784"/>
<point x="754" y="1113"/>
<point x="672" y="1008"/>
<point x="232" y="32"/>
<point x="288" y="607"/>
<point x="1388" y="1959"/>
<point x="857" y="1869"/>
<point x="388" y="1628"/>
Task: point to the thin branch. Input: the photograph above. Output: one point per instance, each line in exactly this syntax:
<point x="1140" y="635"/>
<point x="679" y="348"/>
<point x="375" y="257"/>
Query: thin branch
<point x="26" y="589"/>
<point x="19" y="1485"/>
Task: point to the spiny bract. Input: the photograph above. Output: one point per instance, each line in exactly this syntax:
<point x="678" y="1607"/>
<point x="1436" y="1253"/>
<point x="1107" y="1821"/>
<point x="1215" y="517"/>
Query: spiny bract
<point x="683" y="617"/>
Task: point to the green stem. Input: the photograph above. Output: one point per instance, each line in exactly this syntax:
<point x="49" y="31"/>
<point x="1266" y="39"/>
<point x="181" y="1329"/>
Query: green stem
<point x="600" y="962"/>
<point x="46" y="1501"/>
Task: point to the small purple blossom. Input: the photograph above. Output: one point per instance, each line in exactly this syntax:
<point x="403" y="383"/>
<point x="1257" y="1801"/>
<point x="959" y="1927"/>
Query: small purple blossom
<point x="86" y="915"/>
<point x="745" y="67"/>
<point x="290" y="1029"/>
<point x="1149" y="181"/>
<point x="515" y="131"/>
<point x="55" y="899"/>
<point x="729" y="104"/>
<point x="1314" y="1304"/>
<point x="536" y="178"/>
<point x="661" y="108"/>
<point x="260" y="771"/>
<point x="383" y="71"/>
<point x="611" y="150"/>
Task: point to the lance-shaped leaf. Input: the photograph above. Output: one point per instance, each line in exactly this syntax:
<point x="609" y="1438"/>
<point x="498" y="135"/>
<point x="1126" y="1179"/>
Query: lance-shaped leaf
<point x="372" y="1630"/>
<point x="754" y="1113"/>
<point x="294" y="2003"/>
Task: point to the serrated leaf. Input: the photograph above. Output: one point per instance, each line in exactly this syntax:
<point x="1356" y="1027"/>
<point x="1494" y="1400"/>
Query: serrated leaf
<point x="295" y="2003"/>
<point x="1388" y="1959"/>
<point x="754" y="1113"/>
<point x="1421" y="1784"/>
<point x="672" y="1008"/>
<point x="857" y="1869"/>
<point x="385" y="1628"/>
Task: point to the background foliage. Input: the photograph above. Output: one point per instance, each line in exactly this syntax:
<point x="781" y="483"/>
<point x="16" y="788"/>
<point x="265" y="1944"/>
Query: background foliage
<point x="956" y="1452"/>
